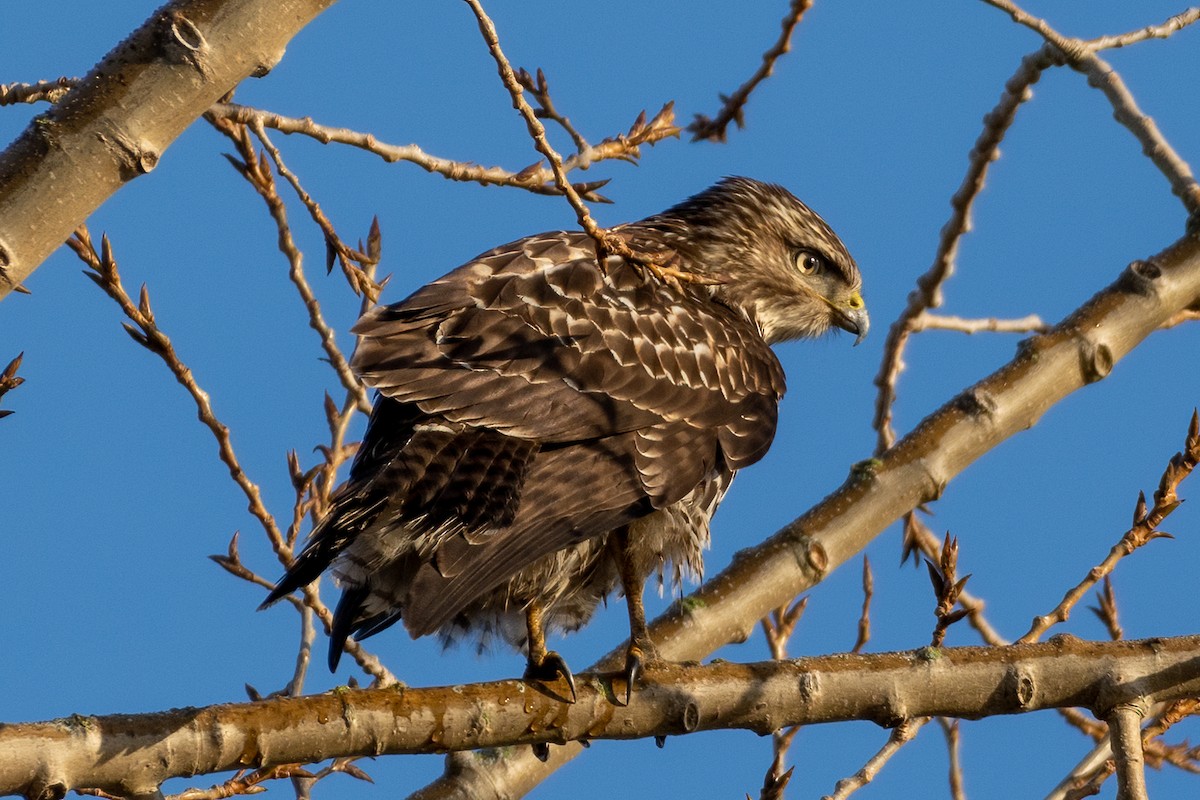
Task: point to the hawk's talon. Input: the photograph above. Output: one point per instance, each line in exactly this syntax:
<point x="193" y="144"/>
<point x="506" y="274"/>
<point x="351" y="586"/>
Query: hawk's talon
<point x="638" y="658"/>
<point x="549" y="669"/>
<point x="541" y="751"/>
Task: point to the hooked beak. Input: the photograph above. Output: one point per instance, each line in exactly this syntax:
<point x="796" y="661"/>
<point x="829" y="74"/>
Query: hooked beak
<point x="853" y="318"/>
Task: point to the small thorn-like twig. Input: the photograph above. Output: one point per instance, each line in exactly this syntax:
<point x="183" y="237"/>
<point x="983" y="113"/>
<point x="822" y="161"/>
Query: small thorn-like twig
<point x="947" y="587"/>
<point x="9" y="380"/>
<point x="1106" y="609"/>
<point x="918" y="538"/>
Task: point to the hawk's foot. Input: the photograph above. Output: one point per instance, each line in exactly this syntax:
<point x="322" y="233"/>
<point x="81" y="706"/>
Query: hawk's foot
<point x="549" y="669"/>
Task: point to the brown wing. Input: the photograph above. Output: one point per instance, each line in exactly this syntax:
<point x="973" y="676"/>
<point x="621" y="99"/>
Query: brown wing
<point x="603" y="397"/>
<point x="635" y="392"/>
<point x="533" y="340"/>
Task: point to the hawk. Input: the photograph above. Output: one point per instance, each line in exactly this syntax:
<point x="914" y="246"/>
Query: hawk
<point x="549" y="428"/>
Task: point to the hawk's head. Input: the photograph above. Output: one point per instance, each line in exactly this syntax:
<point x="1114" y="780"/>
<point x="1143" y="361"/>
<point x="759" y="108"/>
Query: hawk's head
<point x="776" y="259"/>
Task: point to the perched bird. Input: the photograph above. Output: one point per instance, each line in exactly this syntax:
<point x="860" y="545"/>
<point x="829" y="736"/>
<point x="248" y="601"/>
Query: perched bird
<point x="549" y="428"/>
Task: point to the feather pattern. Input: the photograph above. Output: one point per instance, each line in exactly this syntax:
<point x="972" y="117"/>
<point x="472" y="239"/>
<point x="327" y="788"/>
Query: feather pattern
<point x="532" y="401"/>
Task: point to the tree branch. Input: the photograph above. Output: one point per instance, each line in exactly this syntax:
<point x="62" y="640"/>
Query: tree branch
<point x="132" y="754"/>
<point x="117" y="122"/>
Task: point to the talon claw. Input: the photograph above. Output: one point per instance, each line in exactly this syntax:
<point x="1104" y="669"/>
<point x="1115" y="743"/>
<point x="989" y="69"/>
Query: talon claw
<point x="551" y="668"/>
<point x="633" y="671"/>
<point x="555" y="661"/>
<point x="541" y="751"/>
<point x="660" y="741"/>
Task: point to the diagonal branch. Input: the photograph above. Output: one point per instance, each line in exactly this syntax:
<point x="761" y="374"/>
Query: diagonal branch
<point x="186" y="56"/>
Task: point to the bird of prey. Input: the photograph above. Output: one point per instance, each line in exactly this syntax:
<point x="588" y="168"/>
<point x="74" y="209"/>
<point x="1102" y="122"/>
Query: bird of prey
<point x="549" y="428"/>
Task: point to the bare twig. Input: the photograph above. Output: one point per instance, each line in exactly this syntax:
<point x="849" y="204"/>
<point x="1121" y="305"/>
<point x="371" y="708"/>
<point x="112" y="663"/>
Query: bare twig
<point x="607" y="242"/>
<point x="1163" y="31"/>
<point x="352" y="261"/>
<point x="733" y="107"/>
<point x="102" y="269"/>
<point x="1144" y="530"/>
<point x="243" y="783"/>
<point x="255" y="169"/>
<point x="926" y="321"/>
<point x="950" y="729"/>
<point x="1106" y="609"/>
<point x="539" y="87"/>
<point x="1082" y="56"/>
<point x="928" y="292"/>
<point x="901" y="735"/>
<point x="864" y="619"/>
<point x="145" y="331"/>
<point x="42" y="91"/>
<point x="778" y="629"/>
<point x="538" y="178"/>
<point x="1086" y="779"/>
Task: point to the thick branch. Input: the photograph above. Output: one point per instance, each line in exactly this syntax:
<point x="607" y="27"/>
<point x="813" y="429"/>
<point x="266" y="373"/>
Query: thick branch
<point x="1080" y="350"/>
<point x="133" y="754"/>
<point x="115" y="124"/>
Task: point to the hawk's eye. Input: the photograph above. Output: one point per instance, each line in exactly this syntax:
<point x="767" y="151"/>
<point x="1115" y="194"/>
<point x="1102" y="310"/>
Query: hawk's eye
<point x="809" y="263"/>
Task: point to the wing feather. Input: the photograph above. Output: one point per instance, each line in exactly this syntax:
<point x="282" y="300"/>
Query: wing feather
<point x="627" y="394"/>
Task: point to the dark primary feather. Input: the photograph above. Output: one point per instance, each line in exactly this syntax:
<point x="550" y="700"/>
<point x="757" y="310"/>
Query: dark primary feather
<point x="531" y="402"/>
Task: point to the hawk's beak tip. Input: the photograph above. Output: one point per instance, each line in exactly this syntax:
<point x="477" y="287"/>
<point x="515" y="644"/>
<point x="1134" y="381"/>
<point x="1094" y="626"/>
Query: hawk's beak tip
<point x="857" y="322"/>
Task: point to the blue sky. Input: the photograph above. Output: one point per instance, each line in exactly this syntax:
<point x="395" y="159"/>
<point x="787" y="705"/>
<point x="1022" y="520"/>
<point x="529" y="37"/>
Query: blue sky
<point x="114" y="497"/>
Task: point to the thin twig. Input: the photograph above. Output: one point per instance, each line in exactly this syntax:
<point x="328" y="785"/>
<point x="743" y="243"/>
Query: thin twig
<point x="537" y="179"/>
<point x="258" y="174"/>
<point x="350" y="259"/>
<point x="925" y="321"/>
<point x="778" y="629"/>
<point x="928" y="292"/>
<point x="733" y="108"/>
<point x="864" y="619"/>
<point x="901" y="735"/>
<point x="1081" y="55"/>
<point x="1164" y="31"/>
<point x="145" y="331"/>
<point x="539" y="87"/>
<point x="42" y="91"/>
<point x="1144" y="531"/>
<point x="950" y="728"/>
<point x="607" y="242"/>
